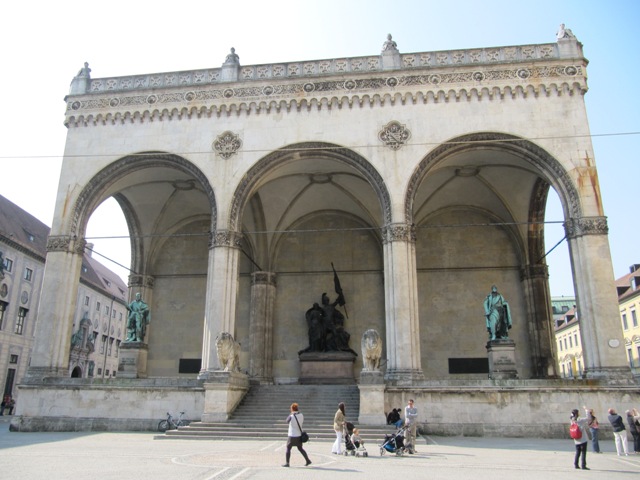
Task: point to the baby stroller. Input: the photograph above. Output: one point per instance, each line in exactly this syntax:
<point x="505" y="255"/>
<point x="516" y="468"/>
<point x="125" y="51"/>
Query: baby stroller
<point x="358" y="442"/>
<point x="393" y="443"/>
<point x="349" y="447"/>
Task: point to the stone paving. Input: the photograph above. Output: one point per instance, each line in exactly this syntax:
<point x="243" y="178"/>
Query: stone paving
<point x="53" y="456"/>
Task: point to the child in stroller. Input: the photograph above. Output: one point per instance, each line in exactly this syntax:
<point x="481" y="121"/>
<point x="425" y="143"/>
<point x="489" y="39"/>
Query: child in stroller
<point x="358" y="442"/>
<point x="394" y="443"/>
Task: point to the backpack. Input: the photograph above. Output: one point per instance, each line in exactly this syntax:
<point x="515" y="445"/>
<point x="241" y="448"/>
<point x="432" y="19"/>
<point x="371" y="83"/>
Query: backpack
<point x="575" y="431"/>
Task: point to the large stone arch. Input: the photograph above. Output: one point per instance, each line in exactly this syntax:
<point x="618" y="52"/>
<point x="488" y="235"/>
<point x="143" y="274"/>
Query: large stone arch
<point x="304" y="150"/>
<point x="91" y="194"/>
<point x="554" y="173"/>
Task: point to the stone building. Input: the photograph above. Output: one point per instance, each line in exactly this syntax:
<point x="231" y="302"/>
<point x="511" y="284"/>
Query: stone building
<point x="23" y="246"/>
<point x="422" y="177"/>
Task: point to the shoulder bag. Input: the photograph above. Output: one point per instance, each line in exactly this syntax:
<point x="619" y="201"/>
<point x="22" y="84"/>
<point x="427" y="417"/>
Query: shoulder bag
<point x="304" y="436"/>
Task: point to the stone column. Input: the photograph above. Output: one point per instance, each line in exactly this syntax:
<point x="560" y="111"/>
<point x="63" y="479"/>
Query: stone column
<point x="50" y="356"/>
<point x="597" y="300"/>
<point x="263" y="296"/>
<point x="535" y="280"/>
<point x="222" y="291"/>
<point x="401" y="304"/>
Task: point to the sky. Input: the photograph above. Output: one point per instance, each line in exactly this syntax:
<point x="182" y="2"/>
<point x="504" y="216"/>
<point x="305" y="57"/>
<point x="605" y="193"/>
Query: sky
<point x="45" y="43"/>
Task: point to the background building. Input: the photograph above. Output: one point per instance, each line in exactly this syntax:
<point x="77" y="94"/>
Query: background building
<point x="101" y="297"/>
<point x="629" y="298"/>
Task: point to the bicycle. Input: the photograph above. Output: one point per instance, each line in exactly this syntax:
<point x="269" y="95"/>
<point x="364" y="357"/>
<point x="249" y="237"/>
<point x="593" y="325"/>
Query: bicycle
<point x="170" y="423"/>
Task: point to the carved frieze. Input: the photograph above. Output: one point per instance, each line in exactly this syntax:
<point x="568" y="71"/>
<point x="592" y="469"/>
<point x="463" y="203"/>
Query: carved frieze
<point x="66" y="243"/>
<point x="399" y="232"/>
<point x="577" y="227"/>
<point x="318" y="86"/>
<point x="225" y="238"/>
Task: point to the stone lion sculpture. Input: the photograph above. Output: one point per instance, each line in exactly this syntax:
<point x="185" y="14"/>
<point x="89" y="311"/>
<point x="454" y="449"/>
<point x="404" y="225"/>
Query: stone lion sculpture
<point x="228" y="350"/>
<point x="371" y="350"/>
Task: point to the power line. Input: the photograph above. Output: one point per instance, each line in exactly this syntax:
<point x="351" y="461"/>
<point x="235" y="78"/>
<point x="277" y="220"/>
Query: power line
<point x="324" y="230"/>
<point x="326" y="148"/>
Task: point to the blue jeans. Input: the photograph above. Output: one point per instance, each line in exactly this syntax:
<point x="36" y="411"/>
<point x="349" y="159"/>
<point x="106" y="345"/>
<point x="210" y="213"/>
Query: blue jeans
<point x="594" y="440"/>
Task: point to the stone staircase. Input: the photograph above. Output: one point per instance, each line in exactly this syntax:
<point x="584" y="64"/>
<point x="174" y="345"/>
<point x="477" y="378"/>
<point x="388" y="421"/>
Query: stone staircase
<point x="264" y="409"/>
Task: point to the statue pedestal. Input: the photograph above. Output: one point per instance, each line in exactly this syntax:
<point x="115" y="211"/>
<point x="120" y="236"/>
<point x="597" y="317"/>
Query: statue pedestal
<point x="502" y="359"/>
<point x="371" y="388"/>
<point x="132" y="361"/>
<point x="223" y="391"/>
<point x="326" y="368"/>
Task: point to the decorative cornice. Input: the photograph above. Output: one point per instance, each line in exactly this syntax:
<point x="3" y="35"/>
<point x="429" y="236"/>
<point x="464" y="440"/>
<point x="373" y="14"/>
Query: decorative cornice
<point x="399" y="232"/>
<point x="577" y="227"/>
<point x="225" y="238"/>
<point x="182" y="100"/>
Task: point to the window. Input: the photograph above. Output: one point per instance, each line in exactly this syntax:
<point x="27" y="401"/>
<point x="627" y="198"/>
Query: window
<point x="106" y="373"/>
<point x="634" y="318"/>
<point x="103" y="343"/>
<point x="86" y="301"/>
<point x="565" y="343"/>
<point x="110" y="346"/>
<point x="560" y="343"/>
<point x="8" y="265"/>
<point x="564" y="372"/>
<point x="630" y="357"/>
<point x="625" y="325"/>
<point x="28" y="274"/>
<point x="3" y="309"/>
<point x="575" y="339"/>
<point x="22" y="313"/>
<point x="570" y="342"/>
<point x="579" y="368"/>
<point x="113" y="313"/>
<point x="106" y="309"/>
<point x="118" y="348"/>
<point x="13" y="359"/>
<point x="97" y="306"/>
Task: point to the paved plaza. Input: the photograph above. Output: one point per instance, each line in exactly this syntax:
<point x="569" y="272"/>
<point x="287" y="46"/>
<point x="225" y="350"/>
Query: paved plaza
<point x="54" y="456"/>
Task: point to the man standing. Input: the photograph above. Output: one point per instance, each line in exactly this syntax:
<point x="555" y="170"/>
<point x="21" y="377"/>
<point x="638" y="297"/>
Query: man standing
<point x="411" y="422"/>
<point x="139" y="318"/>
<point x="619" y="432"/>
<point x="497" y="315"/>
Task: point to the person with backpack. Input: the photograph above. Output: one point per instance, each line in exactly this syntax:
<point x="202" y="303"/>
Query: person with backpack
<point x="619" y="432"/>
<point x="578" y="432"/>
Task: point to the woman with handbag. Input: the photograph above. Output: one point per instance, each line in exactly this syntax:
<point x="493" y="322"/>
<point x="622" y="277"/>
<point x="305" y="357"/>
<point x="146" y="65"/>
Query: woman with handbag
<point x="295" y="421"/>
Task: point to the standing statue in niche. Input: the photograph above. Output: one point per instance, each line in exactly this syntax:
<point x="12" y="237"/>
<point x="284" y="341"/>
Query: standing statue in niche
<point x="497" y="315"/>
<point x="326" y="324"/>
<point x="139" y="318"/>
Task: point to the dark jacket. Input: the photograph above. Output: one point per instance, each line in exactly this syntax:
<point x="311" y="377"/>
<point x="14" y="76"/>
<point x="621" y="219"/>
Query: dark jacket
<point x="616" y="422"/>
<point x="632" y="424"/>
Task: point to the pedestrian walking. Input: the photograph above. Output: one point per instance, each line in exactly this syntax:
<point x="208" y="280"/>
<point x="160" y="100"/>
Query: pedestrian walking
<point x="294" y="438"/>
<point x="580" y="439"/>
<point x="619" y="432"/>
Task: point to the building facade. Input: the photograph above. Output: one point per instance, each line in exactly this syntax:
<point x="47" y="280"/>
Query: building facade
<point x="421" y="178"/>
<point x="629" y="297"/>
<point x="23" y="246"/>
